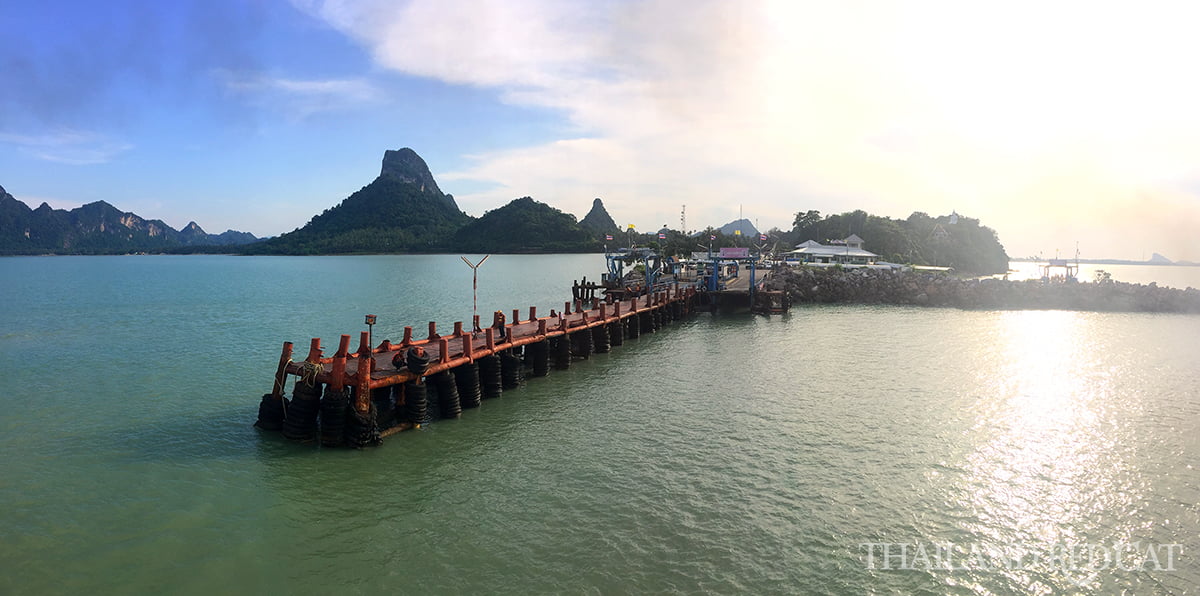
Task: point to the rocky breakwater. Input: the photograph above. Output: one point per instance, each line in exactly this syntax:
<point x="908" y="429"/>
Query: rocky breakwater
<point x="879" y="286"/>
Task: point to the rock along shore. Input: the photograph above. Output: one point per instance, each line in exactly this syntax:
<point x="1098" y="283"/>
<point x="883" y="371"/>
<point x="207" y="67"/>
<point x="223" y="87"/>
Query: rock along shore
<point x="879" y="286"/>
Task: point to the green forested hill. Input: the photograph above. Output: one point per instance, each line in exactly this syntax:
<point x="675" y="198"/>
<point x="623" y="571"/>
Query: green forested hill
<point x="525" y="225"/>
<point x="389" y="215"/>
<point x="949" y="240"/>
<point x="598" y="222"/>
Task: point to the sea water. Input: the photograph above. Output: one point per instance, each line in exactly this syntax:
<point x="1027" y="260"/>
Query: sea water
<point x="832" y="450"/>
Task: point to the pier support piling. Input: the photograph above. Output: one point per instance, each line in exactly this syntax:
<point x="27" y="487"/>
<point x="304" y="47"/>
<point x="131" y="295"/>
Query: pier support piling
<point x="489" y="376"/>
<point x="448" y="400"/>
<point x="562" y="352"/>
<point x="600" y="339"/>
<point x="510" y="369"/>
<point x="466" y="380"/>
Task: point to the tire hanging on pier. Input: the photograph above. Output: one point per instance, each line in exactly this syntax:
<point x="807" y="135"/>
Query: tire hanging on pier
<point x="416" y="403"/>
<point x="562" y="352"/>
<point x="600" y="339"/>
<point x="271" y="412"/>
<point x="616" y="332"/>
<point x="511" y="370"/>
<point x="466" y="380"/>
<point x="489" y="376"/>
<point x="334" y="406"/>
<point x="633" y="325"/>
<point x="449" y="403"/>
<point x="416" y="360"/>
<point x="647" y="321"/>
<point x="581" y="344"/>
<point x="385" y="407"/>
<point x="538" y="355"/>
<point x="301" y="421"/>
<point x="362" y="428"/>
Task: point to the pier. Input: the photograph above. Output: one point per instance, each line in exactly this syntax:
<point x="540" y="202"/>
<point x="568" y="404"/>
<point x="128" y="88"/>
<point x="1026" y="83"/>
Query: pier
<point x="364" y="395"/>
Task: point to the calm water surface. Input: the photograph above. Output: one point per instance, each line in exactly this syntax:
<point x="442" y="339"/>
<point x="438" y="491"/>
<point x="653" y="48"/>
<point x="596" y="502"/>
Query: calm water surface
<point x="727" y="454"/>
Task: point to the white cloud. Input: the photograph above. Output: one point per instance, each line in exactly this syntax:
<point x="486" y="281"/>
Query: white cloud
<point x="1050" y="122"/>
<point x="299" y="97"/>
<point x="72" y="147"/>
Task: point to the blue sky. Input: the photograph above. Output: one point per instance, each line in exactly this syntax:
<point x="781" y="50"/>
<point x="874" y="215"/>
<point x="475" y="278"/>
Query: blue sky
<point x="1053" y="124"/>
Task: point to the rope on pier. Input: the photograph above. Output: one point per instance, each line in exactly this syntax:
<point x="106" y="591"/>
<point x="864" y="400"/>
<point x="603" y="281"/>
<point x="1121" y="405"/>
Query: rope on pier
<point x="309" y="372"/>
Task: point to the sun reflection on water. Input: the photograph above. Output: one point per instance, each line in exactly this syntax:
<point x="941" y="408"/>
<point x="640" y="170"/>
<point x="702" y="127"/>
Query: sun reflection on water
<point x="1046" y="465"/>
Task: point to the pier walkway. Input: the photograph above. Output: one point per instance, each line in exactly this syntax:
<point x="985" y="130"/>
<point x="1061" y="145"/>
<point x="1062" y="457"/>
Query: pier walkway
<point x="351" y="380"/>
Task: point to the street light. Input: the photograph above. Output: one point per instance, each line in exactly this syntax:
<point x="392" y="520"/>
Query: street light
<point x="370" y="328"/>
<point x="475" y="289"/>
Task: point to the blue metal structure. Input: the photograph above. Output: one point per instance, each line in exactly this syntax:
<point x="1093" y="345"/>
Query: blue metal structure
<point x="651" y="262"/>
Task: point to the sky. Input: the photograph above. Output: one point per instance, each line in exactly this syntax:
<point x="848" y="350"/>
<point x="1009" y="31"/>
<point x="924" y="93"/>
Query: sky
<point x="1057" y="124"/>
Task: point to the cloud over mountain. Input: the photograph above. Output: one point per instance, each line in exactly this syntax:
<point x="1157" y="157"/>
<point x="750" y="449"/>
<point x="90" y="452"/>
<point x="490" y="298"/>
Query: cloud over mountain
<point x="1019" y="113"/>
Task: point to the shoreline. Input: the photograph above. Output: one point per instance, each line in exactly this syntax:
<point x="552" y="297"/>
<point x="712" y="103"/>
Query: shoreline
<point x="913" y="288"/>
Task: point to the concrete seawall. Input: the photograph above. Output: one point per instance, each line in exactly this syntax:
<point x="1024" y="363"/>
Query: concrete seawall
<point x="875" y="286"/>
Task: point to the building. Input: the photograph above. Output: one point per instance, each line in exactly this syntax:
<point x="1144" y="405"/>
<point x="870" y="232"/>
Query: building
<point x="842" y="252"/>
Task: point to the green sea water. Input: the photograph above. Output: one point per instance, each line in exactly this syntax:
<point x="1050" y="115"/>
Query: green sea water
<point x="832" y="450"/>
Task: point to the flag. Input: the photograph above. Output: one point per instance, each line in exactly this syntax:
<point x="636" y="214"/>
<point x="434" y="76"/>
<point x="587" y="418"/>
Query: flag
<point x="662" y="236"/>
<point x="712" y="236"/>
<point x="762" y="237"/>
<point x="737" y="232"/>
<point x="608" y="236"/>
<point x="630" y="226"/>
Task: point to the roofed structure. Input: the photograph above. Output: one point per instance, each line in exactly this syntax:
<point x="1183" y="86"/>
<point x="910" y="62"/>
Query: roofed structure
<point x="847" y="252"/>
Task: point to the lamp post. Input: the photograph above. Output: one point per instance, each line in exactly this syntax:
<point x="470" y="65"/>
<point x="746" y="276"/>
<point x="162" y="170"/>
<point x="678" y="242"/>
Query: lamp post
<point x="370" y="329"/>
<point x="475" y="288"/>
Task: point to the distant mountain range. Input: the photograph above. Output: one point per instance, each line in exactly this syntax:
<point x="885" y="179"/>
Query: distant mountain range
<point x="402" y="211"/>
<point x="96" y="228"/>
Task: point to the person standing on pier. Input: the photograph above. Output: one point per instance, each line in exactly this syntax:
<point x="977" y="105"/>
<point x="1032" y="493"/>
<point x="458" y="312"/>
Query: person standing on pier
<point x="499" y="324"/>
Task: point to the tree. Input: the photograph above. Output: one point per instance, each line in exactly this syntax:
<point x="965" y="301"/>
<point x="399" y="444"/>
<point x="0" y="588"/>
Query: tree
<point x="806" y="220"/>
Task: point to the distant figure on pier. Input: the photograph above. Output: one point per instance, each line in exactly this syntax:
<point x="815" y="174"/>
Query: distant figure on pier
<point x="498" y="323"/>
